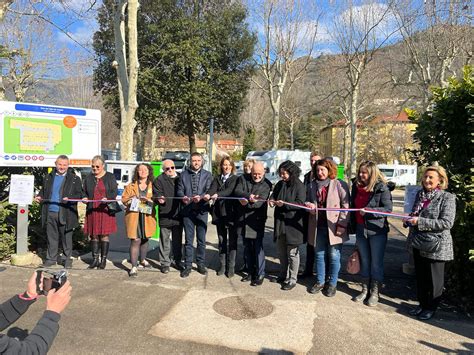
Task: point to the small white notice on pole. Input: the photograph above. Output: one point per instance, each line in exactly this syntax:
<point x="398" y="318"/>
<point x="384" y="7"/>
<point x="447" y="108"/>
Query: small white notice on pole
<point x="21" y="189"/>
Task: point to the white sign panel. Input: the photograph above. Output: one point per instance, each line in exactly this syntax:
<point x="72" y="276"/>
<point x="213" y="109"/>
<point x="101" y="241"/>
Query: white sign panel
<point x="34" y="135"/>
<point x="21" y="189"/>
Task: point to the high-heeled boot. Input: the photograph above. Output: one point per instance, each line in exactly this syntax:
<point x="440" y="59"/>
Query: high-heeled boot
<point x="95" y="254"/>
<point x="104" y="250"/>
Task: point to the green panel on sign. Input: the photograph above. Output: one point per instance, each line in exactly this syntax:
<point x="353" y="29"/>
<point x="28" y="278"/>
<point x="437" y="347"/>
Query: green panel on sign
<point x="156" y="165"/>
<point x="340" y="172"/>
<point x="36" y="136"/>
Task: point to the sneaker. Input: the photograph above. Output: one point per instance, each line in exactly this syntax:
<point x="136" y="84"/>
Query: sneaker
<point x="144" y="265"/>
<point x="133" y="272"/>
<point x="185" y="272"/>
<point x="330" y="291"/>
<point x="316" y="288"/>
<point x="202" y="269"/>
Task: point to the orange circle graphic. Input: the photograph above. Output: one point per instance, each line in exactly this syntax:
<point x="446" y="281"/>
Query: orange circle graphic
<point x="70" y="121"/>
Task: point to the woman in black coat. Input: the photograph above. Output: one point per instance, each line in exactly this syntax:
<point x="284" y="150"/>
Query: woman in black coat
<point x="223" y="185"/>
<point x="288" y="231"/>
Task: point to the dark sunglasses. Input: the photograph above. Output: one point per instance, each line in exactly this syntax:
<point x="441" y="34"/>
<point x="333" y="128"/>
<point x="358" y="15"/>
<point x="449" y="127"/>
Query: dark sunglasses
<point x="95" y="166"/>
<point x="169" y="168"/>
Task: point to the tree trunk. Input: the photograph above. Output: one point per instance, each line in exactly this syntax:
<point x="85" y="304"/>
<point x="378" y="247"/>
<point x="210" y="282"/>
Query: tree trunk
<point x="191" y="137"/>
<point x="276" y="127"/>
<point x="353" y="117"/>
<point x="154" y="133"/>
<point x="126" y="75"/>
<point x="346" y="140"/>
<point x="292" y="135"/>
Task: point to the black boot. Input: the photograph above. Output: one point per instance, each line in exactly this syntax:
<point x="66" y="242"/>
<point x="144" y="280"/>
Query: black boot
<point x="104" y="246"/>
<point x="374" y="294"/>
<point x="363" y="294"/>
<point x="95" y="254"/>
<point x="221" y="270"/>
<point x="231" y="271"/>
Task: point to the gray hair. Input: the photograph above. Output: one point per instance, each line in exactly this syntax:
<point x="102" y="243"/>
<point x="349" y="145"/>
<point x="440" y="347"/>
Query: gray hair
<point x="98" y="158"/>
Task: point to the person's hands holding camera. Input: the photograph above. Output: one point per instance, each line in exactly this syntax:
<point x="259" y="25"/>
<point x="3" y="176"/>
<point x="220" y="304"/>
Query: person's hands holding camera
<point x="57" y="300"/>
<point x="31" y="286"/>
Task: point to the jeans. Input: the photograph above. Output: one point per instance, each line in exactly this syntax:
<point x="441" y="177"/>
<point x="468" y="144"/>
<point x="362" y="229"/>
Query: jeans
<point x="190" y="223"/>
<point x="371" y="250"/>
<point x="323" y="251"/>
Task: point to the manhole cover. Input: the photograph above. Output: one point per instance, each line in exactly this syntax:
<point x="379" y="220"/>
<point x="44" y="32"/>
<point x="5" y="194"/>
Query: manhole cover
<point x="243" y="307"/>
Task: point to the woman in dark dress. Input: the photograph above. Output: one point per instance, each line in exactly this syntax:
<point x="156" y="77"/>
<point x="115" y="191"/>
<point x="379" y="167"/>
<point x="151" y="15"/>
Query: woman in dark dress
<point x="100" y="216"/>
<point x="223" y="185"/>
<point x="288" y="231"/>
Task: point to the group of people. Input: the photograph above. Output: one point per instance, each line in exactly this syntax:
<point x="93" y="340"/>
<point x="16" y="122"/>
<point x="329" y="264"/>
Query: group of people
<point x="316" y="211"/>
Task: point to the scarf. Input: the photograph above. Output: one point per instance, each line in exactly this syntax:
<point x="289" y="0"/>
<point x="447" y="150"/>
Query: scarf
<point x="322" y="191"/>
<point x="424" y="199"/>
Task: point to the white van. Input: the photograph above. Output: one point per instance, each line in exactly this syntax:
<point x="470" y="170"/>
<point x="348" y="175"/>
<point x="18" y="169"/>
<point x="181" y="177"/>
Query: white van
<point x="123" y="172"/>
<point x="273" y="158"/>
<point x="401" y="175"/>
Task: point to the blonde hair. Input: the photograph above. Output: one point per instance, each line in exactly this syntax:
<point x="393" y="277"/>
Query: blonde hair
<point x="443" y="176"/>
<point x="374" y="175"/>
<point x="249" y="161"/>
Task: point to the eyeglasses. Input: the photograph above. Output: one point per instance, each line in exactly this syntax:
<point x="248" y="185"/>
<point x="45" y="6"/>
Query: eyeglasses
<point x="169" y="168"/>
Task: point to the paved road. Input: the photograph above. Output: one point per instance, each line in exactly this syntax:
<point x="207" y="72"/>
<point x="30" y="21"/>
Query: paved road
<point x="158" y="314"/>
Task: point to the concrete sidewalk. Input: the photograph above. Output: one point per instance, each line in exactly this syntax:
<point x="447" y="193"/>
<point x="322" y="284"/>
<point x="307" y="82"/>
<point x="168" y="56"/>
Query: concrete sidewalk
<point x="156" y="313"/>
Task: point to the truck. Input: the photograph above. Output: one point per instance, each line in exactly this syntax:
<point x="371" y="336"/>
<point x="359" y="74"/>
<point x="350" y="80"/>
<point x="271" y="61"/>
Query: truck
<point x="401" y="175"/>
<point x="273" y="158"/>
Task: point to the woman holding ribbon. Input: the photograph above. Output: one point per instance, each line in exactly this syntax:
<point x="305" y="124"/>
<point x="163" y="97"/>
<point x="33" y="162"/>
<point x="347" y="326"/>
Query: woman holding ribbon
<point x="100" y="215"/>
<point x="370" y="191"/>
<point x="327" y="229"/>
<point x="288" y="228"/>
<point x="222" y="212"/>
<point x="140" y="219"/>
<point x="430" y="238"/>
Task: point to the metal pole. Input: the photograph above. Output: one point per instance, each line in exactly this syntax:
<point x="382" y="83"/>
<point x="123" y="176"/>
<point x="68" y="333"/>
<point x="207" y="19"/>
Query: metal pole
<point x="211" y="142"/>
<point x="22" y="230"/>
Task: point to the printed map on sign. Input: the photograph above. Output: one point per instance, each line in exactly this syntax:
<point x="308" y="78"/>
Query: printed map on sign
<point x="36" y="136"/>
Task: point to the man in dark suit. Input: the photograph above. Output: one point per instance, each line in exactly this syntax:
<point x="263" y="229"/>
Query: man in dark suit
<point x="252" y="223"/>
<point x="308" y="177"/>
<point x="193" y="184"/>
<point x="58" y="215"/>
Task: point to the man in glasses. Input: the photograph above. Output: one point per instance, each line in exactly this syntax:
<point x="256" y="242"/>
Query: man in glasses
<point x="171" y="229"/>
<point x="193" y="184"/>
<point x="59" y="216"/>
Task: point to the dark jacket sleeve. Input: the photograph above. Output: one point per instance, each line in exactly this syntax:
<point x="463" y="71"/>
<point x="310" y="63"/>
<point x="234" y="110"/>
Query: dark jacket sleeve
<point x="240" y="188"/>
<point x="385" y="203"/>
<point x="41" y="337"/>
<point x="229" y="187"/>
<point x="157" y="189"/>
<point x="263" y="193"/>
<point x="77" y="191"/>
<point x="300" y="196"/>
<point x="180" y="190"/>
<point x="38" y="341"/>
<point x="113" y="186"/>
<point x="214" y="187"/>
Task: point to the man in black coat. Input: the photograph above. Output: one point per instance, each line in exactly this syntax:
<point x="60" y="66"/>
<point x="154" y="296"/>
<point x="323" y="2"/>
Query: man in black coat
<point x="308" y="177"/>
<point x="193" y="184"/>
<point x="252" y="223"/>
<point x="58" y="215"/>
<point x="171" y="229"/>
<point x="41" y="337"/>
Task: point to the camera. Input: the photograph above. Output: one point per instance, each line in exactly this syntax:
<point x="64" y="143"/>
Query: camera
<point x="52" y="279"/>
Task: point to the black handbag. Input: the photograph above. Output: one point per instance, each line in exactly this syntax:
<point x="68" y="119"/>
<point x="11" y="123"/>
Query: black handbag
<point x="114" y="207"/>
<point x="428" y="243"/>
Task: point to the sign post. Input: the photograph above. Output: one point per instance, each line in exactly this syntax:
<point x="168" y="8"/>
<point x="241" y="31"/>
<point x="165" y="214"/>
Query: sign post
<point x="21" y="194"/>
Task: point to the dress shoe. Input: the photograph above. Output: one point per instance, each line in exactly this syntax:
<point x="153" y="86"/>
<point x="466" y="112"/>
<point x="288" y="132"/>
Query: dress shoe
<point x="316" y="288"/>
<point x="230" y="274"/>
<point x="185" y="272"/>
<point x="68" y="264"/>
<point x="165" y="269"/>
<point x="258" y="281"/>
<point x="415" y="311"/>
<point x="246" y="278"/>
<point x="288" y="286"/>
<point x="48" y="263"/>
<point x="330" y="291"/>
<point x="202" y="269"/>
<point x="178" y="265"/>
<point x="426" y="314"/>
<point x="278" y="279"/>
